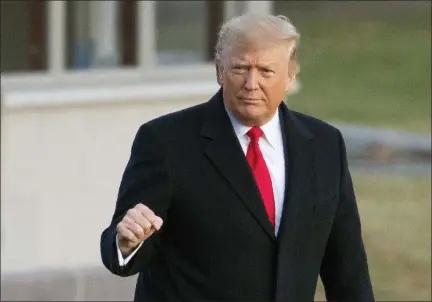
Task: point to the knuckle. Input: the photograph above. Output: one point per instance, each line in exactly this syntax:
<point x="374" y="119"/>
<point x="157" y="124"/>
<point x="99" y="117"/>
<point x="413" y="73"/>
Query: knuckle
<point x="157" y="222"/>
<point x="134" y="216"/>
<point x="122" y="232"/>
<point x="140" y="207"/>
<point x="139" y="232"/>
<point x="130" y="212"/>
<point x="148" y="212"/>
<point x="124" y="223"/>
<point x="147" y="223"/>
<point x="147" y="226"/>
<point x="120" y="226"/>
<point x="137" y="227"/>
<point x="128" y="219"/>
<point x="152" y="218"/>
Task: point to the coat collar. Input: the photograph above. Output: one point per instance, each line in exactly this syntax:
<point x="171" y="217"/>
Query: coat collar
<point x="222" y="148"/>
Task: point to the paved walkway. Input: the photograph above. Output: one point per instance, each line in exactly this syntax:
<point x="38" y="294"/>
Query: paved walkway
<point x="384" y="144"/>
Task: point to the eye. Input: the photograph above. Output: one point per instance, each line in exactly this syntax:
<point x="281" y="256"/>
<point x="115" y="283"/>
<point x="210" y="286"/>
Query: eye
<point x="267" y="71"/>
<point x="239" y="68"/>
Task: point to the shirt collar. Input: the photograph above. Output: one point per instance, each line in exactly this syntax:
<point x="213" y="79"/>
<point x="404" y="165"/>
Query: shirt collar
<point x="271" y="129"/>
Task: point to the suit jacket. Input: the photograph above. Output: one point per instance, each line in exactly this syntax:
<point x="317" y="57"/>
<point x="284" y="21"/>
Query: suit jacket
<point x="217" y="243"/>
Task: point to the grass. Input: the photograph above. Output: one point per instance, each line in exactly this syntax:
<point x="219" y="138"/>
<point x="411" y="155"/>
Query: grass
<point x="396" y="220"/>
<point x="370" y="68"/>
<point x="375" y="71"/>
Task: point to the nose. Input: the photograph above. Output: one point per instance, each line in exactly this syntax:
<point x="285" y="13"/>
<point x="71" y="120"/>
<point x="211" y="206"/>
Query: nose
<point x="251" y="80"/>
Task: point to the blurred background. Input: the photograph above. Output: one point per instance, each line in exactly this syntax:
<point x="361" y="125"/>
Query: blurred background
<point x="79" y="77"/>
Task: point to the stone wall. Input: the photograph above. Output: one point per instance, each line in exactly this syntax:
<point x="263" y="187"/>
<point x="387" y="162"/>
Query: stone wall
<point x="61" y="168"/>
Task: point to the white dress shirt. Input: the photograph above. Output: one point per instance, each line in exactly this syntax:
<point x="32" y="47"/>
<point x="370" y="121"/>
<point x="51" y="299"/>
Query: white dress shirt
<point x="271" y="145"/>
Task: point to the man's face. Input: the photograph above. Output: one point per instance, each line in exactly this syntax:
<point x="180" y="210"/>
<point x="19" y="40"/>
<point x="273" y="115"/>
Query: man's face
<point x="255" y="81"/>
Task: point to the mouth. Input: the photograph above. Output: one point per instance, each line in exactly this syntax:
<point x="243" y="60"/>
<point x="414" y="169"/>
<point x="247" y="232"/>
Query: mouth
<point x="250" y="100"/>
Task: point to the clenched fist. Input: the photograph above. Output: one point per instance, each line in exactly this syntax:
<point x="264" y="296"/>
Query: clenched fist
<point x="137" y="225"/>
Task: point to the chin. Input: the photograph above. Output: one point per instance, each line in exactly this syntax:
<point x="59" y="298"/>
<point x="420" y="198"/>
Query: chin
<point x="252" y="114"/>
<point x="253" y="109"/>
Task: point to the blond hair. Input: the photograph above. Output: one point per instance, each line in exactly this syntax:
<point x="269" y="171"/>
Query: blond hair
<point x="259" y="30"/>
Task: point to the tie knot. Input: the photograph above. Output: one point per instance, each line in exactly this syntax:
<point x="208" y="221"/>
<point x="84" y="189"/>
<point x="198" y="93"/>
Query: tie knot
<point x="255" y="133"/>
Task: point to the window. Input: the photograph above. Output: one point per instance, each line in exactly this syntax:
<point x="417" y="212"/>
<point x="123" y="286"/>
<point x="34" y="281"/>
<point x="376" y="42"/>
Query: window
<point x="234" y="8"/>
<point x="186" y="30"/>
<point x="23" y="36"/>
<point x="109" y="34"/>
<point x="100" y="34"/>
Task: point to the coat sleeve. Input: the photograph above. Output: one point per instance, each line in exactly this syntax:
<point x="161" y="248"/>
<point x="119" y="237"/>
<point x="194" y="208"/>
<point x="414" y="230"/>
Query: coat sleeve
<point x="145" y="180"/>
<point x="344" y="269"/>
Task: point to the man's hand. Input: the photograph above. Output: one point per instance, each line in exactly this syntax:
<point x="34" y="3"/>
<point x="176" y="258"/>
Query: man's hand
<point x="137" y="225"/>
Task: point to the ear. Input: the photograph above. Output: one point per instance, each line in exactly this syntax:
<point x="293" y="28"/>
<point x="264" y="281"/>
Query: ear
<point x="290" y="80"/>
<point x="290" y="83"/>
<point x="219" y="76"/>
<point x="293" y="71"/>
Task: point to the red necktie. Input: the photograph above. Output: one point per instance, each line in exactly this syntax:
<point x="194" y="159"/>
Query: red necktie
<point x="261" y="172"/>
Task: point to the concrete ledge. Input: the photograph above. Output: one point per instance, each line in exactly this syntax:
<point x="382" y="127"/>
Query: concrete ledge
<point x="108" y="94"/>
<point x="108" y="86"/>
<point x="92" y="86"/>
<point x="93" y="284"/>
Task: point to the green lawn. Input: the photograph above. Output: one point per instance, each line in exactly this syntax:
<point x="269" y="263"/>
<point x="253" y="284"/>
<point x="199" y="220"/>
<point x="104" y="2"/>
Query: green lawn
<point x="370" y="69"/>
<point x="396" y="220"/>
<point x="375" y="72"/>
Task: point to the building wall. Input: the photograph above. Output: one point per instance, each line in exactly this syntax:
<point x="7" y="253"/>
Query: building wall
<point x="61" y="168"/>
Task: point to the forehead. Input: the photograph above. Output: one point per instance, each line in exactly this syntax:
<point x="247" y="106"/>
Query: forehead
<point x="253" y="54"/>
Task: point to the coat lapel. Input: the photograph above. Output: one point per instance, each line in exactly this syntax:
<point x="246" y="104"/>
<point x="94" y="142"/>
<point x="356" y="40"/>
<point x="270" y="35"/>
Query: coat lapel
<point x="299" y="171"/>
<point x="223" y="149"/>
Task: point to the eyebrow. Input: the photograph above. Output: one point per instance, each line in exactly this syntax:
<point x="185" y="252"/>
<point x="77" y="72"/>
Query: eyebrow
<point x="245" y="64"/>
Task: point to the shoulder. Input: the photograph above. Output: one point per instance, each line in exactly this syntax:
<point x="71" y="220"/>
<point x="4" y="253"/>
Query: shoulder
<point x="327" y="139"/>
<point x="315" y="125"/>
<point x="173" y="123"/>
